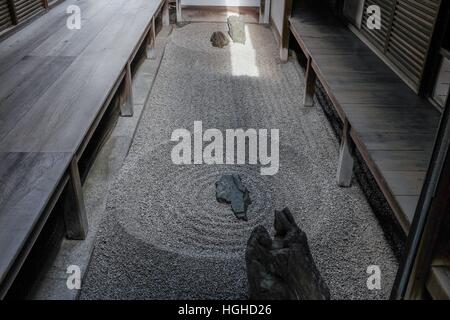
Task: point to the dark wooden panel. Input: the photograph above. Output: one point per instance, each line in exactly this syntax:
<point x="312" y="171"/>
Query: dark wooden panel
<point x="408" y="204"/>
<point x="368" y="78"/>
<point x="389" y="97"/>
<point x="407" y="141"/>
<point x="403" y="183"/>
<point x="27" y="182"/>
<point x="352" y="63"/>
<point x="383" y="86"/>
<point x="335" y="45"/>
<point x="391" y="119"/>
<point x="320" y="30"/>
<point x="309" y="14"/>
<point x="401" y="160"/>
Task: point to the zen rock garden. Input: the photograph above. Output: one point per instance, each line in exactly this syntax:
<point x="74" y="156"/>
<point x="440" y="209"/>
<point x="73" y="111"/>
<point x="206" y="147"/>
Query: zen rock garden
<point x="279" y="268"/>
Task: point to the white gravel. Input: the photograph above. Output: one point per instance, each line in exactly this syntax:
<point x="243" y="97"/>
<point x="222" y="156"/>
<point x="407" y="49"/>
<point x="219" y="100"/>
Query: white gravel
<point x="165" y="236"/>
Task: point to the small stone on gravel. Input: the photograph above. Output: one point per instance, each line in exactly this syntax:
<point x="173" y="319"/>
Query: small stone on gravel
<point x="219" y="39"/>
<point x="229" y="189"/>
<point x="236" y="26"/>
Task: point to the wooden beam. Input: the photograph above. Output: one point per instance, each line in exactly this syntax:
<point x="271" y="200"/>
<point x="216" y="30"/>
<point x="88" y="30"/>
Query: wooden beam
<point x="178" y="8"/>
<point x="12" y="11"/>
<point x="151" y="39"/>
<point x="284" y="48"/>
<point x="310" y="84"/>
<point x="165" y="14"/>
<point x="345" y="166"/>
<point x="264" y="11"/>
<point x="74" y="208"/>
<point x="126" y="94"/>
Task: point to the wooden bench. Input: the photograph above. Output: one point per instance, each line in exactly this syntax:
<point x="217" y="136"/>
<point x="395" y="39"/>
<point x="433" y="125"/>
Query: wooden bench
<point x="57" y="84"/>
<point x="391" y="127"/>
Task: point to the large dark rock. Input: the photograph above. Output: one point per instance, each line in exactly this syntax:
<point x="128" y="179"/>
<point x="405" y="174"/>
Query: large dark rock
<point x="236" y="29"/>
<point x="229" y="189"/>
<point x="283" y="268"/>
<point x="219" y="40"/>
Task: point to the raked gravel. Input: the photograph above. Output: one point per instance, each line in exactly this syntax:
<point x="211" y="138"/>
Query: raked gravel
<point x="164" y="235"/>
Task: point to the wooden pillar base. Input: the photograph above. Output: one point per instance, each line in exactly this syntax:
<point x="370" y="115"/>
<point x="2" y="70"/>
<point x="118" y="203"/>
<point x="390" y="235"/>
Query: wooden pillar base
<point x="284" y="54"/>
<point x="310" y="85"/>
<point x="179" y="15"/>
<point x="346" y="162"/>
<point x="126" y="94"/>
<point x="285" y="32"/>
<point x="151" y="39"/>
<point x="74" y="209"/>
<point x="264" y="12"/>
<point x="151" y="53"/>
<point x="165" y="14"/>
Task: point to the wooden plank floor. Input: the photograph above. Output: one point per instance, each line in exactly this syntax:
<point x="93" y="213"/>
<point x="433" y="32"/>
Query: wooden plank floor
<point x="393" y="126"/>
<point x="54" y="82"/>
<point x="64" y="112"/>
<point x="28" y="182"/>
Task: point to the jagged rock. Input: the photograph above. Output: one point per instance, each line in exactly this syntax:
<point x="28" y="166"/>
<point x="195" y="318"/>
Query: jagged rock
<point x="219" y="40"/>
<point x="283" y="268"/>
<point x="236" y="27"/>
<point x="229" y="189"/>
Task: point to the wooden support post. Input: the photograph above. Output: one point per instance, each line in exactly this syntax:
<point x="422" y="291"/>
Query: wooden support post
<point x="151" y="39"/>
<point x="264" y="11"/>
<point x="179" y="15"/>
<point x="345" y="166"/>
<point x="165" y="14"/>
<point x="74" y="209"/>
<point x="12" y="11"/>
<point x="310" y="84"/>
<point x="126" y="94"/>
<point x="45" y="4"/>
<point x="285" y="32"/>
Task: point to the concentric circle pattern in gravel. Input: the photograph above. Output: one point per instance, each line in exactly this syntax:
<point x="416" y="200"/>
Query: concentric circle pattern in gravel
<point x="166" y="237"/>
